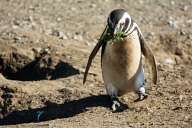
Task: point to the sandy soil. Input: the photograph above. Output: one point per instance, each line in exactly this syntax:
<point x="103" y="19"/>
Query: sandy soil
<point x="67" y="31"/>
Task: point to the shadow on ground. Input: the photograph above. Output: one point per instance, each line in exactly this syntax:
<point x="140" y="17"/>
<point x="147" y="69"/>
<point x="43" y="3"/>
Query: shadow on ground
<point x="54" y="111"/>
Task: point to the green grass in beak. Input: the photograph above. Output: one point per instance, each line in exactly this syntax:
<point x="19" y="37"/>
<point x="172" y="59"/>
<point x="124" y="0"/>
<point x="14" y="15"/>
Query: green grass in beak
<point x="117" y="37"/>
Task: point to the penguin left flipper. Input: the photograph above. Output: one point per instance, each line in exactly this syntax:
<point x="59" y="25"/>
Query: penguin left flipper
<point x="149" y="55"/>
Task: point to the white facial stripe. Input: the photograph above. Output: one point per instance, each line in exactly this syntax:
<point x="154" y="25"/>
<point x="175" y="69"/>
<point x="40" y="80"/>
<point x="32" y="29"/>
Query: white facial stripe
<point x="135" y="26"/>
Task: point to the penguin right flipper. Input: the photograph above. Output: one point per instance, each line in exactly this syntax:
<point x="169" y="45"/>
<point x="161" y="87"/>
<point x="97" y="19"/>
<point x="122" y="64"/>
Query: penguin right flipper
<point x="94" y="52"/>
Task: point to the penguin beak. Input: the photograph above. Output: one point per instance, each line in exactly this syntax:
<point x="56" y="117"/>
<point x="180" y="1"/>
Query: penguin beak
<point x="114" y="32"/>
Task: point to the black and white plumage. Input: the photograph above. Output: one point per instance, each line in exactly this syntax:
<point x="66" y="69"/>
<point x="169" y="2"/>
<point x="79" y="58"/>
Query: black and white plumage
<point x="121" y="60"/>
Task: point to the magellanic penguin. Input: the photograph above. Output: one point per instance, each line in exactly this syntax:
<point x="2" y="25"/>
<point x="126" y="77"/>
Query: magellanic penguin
<point x="121" y="57"/>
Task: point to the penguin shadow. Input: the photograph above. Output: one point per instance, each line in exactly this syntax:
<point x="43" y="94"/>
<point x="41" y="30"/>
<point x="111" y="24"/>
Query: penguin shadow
<point x="55" y="111"/>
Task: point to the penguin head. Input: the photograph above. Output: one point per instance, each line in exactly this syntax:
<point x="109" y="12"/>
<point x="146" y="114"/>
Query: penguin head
<point x="118" y="21"/>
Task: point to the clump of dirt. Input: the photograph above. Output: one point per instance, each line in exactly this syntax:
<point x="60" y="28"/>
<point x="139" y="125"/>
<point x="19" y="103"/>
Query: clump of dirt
<point x="13" y="62"/>
<point x="8" y="99"/>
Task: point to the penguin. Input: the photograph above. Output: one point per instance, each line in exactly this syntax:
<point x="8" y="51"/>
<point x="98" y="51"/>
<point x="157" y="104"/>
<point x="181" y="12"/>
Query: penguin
<point x="121" y="58"/>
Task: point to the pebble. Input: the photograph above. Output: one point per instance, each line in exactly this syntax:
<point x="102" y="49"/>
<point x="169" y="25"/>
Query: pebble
<point x="181" y="97"/>
<point x="149" y="110"/>
<point x="172" y="23"/>
<point x="172" y="2"/>
<point x="78" y="37"/>
<point x="73" y="9"/>
<point x="16" y="23"/>
<point x="182" y="33"/>
<point x="185" y="8"/>
<point x="87" y="43"/>
<point x="93" y="5"/>
<point x="19" y="39"/>
<point x="32" y="8"/>
<point x="178" y="52"/>
<point x="38" y="49"/>
<point x="91" y="85"/>
<point x="169" y="61"/>
<point x="59" y="19"/>
<point x="59" y="34"/>
<point x="29" y="19"/>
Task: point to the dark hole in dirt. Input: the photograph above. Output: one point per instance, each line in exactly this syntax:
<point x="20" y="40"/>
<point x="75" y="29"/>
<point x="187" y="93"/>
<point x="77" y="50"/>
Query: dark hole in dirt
<point x="20" y="67"/>
<point x="30" y="73"/>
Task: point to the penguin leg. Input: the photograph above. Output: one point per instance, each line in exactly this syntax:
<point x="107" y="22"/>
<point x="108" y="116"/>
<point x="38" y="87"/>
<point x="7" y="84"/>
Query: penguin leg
<point x="141" y="94"/>
<point x="140" y="86"/>
<point x="116" y="105"/>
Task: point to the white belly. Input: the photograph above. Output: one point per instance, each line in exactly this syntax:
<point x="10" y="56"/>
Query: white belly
<point x="121" y="64"/>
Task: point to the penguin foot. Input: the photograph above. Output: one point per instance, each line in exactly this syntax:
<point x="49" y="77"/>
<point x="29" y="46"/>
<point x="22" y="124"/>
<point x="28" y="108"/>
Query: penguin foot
<point x="117" y="106"/>
<point x="141" y="97"/>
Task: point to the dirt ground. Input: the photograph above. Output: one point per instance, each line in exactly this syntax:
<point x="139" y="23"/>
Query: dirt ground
<point x="44" y="47"/>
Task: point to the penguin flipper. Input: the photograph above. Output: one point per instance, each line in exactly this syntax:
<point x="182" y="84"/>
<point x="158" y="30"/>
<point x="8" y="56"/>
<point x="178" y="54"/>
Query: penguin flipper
<point x="93" y="53"/>
<point x="150" y="57"/>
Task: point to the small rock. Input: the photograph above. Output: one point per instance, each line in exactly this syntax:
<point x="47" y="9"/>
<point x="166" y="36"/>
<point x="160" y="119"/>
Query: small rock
<point x="150" y="35"/>
<point x="29" y="19"/>
<point x="55" y="33"/>
<point x="31" y="8"/>
<point x="87" y="43"/>
<point x="37" y="50"/>
<point x="185" y="8"/>
<point x="61" y="35"/>
<point x="189" y="37"/>
<point x="181" y="97"/>
<point x="172" y="2"/>
<point x="78" y="37"/>
<point x="169" y="61"/>
<point x="149" y="110"/>
<point x="93" y="5"/>
<point x="16" y="23"/>
<point x="178" y="52"/>
<point x="182" y="33"/>
<point x="15" y="26"/>
<point x="18" y="39"/>
<point x="48" y="32"/>
<point x="126" y="99"/>
<point x="68" y="34"/>
<point x="91" y="85"/>
<point x="172" y="23"/>
<point x="73" y="9"/>
<point x="59" y="19"/>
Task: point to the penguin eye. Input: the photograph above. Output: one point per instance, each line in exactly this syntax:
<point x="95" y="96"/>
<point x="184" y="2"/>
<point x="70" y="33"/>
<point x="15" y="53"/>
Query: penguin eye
<point x="121" y="24"/>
